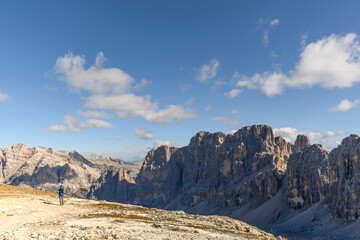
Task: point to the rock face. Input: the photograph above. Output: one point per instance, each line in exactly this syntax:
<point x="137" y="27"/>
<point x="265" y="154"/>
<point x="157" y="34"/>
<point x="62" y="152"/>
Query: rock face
<point x="307" y="177"/>
<point x="344" y="196"/>
<point x="302" y="141"/>
<point x="113" y="185"/>
<point x="215" y="171"/>
<point x="45" y="168"/>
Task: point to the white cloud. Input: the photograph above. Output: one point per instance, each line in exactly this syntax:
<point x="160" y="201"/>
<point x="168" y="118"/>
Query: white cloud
<point x="94" y="114"/>
<point x="111" y="88"/>
<point x="159" y="143"/>
<point x="233" y="93"/>
<point x="325" y="138"/>
<point x="207" y="71"/>
<point x="274" y="22"/>
<point x="96" y="79"/>
<point x="207" y="108"/>
<point x="331" y="62"/>
<point x="3" y="97"/>
<point x="345" y="105"/>
<point x="231" y="132"/>
<point x="235" y="111"/>
<point x="130" y="106"/>
<point x="143" y="134"/>
<point x="226" y="120"/>
<point x="72" y="124"/>
<point x="269" y="83"/>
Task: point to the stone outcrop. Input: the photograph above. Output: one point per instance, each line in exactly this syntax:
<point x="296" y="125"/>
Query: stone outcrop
<point x="42" y="168"/>
<point x="344" y="199"/>
<point x="302" y="141"/>
<point x="307" y="177"/>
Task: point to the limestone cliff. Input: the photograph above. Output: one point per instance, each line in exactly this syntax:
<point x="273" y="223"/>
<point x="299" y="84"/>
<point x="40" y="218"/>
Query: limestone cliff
<point x="344" y="199"/>
<point x="214" y="170"/>
<point x="252" y="176"/>
<point x="307" y="177"/>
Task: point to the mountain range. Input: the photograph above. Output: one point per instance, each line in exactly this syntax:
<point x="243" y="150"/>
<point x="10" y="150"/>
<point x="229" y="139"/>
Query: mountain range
<point x="297" y="190"/>
<point x="43" y="168"/>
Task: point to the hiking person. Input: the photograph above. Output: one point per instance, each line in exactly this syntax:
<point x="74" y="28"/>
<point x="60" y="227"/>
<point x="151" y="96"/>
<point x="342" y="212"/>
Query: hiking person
<point x="61" y="194"/>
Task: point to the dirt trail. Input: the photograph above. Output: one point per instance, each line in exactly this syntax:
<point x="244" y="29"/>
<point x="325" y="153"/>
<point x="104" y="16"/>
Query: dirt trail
<point x="34" y="214"/>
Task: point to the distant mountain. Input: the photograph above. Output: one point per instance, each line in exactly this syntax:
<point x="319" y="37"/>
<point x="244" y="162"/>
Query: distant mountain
<point x="45" y="168"/>
<point x="296" y="190"/>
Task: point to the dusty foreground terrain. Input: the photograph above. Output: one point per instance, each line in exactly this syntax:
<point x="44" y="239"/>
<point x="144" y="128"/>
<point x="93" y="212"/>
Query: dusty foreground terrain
<point x="33" y="214"/>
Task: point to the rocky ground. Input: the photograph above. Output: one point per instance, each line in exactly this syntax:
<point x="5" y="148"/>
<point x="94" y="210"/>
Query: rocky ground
<point x="34" y="214"/>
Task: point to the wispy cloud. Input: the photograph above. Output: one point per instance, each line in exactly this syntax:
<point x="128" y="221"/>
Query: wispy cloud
<point x="185" y="88"/>
<point x="129" y="106"/>
<point x="303" y="40"/>
<point x="225" y="120"/>
<point x="94" y="114"/>
<point x="3" y="97"/>
<point x="143" y="134"/>
<point x="233" y="93"/>
<point x="267" y="26"/>
<point x="113" y="139"/>
<point x="191" y="101"/>
<point x="345" y="105"/>
<point x="51" y="88"/>
<point x="207" y="71"/>
<point x="72" y="124"/>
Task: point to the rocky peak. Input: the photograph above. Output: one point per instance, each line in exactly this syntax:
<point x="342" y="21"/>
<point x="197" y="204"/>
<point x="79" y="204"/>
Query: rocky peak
<point x="344" y="179"/>
<point x="302" y="141"/>
<point x="205" y="138"/>
<point x="351" y="141"/>
<point x="307" y="177"/>
<point x="19" y="147"/>
<point x="76" y="157"/>
<point x="160" y="155"/>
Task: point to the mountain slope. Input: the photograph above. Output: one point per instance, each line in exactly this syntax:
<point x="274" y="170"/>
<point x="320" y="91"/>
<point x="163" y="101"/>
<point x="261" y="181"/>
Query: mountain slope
<point x="34" y="214"/>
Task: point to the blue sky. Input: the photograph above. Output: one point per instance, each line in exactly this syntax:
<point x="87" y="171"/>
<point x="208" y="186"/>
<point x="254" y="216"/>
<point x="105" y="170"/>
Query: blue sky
<point x="122" y="77"/>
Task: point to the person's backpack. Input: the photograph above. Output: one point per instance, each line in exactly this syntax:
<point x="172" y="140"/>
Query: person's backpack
<point x="61" y="191"/>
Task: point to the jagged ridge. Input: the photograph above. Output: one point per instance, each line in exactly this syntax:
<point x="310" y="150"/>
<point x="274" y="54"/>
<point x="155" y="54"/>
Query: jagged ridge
<point x="249" y="172"/>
